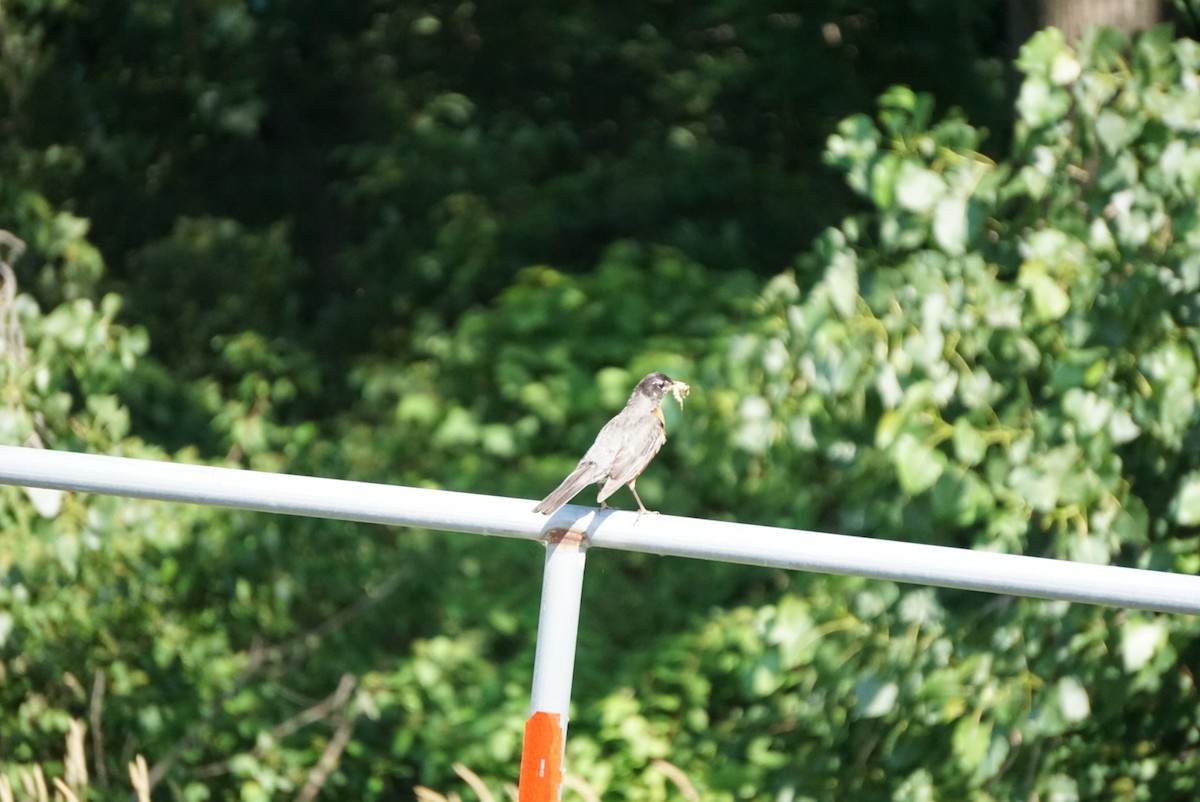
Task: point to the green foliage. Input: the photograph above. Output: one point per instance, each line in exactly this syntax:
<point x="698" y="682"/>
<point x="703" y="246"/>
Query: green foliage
<point x="1010" y="345"/>
<point x="220" y="273"/>
<point x="998" y="351"/>
<point x="389" y="166"/>
<point x="1002" y="356"/>
<point x="533" y="374"/>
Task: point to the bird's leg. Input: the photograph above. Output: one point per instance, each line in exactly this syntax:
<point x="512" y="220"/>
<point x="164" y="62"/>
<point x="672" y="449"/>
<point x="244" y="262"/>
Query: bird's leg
<point x="641" y="507"/>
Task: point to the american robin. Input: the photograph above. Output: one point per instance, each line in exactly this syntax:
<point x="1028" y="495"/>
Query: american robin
<point x="623" y="448"/>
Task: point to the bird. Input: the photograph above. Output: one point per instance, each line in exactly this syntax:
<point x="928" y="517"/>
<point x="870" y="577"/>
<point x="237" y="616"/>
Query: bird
<point x="623" y="448"/>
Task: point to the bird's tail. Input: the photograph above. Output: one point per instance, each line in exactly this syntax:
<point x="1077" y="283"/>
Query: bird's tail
<point x="578" y="479"/>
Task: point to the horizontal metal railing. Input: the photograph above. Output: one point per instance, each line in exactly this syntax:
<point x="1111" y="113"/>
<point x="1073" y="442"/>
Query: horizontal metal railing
<point x="792" y="549"/>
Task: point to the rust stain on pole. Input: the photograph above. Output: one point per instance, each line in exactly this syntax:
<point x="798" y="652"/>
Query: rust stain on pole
<point x="569" y="537"/>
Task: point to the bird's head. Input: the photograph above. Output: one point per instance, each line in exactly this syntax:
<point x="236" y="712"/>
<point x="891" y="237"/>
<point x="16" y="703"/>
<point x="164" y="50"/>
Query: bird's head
<point x="656" y="385"/>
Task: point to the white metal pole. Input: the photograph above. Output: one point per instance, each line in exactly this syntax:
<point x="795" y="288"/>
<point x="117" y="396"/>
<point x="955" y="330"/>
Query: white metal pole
<point x="558" y="623"/>
<point x="792" y="549"/>
<point x="553" y="667"/>
<point x="271" y="492"/>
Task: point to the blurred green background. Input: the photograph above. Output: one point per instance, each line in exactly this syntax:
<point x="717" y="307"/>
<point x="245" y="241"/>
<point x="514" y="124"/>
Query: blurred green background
<point x="930" y="275"/>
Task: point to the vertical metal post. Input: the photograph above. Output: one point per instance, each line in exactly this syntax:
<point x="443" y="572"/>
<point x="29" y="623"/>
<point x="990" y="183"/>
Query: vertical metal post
<point x="553" y="668"/>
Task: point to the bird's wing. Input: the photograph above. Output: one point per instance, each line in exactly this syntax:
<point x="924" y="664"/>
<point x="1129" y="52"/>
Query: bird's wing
<point x="639" y="443"/>
<point x="604" y="450"/>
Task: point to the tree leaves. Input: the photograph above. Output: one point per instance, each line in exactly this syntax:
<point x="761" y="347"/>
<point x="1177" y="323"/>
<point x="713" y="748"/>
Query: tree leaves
<point x="991" y="354"/>
<point x="1025" y="382"/>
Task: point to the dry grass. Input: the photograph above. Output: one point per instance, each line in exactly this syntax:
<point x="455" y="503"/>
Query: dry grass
<point x="576" y="785"/>
<point x="72" y="786"/>
<point x="32" y="786"/>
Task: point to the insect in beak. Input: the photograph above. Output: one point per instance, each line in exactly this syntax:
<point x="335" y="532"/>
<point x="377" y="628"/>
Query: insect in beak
<point x="680" y="390"/>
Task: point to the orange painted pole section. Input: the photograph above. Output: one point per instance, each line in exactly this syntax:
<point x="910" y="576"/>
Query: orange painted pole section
<point x="541" y="759"/>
